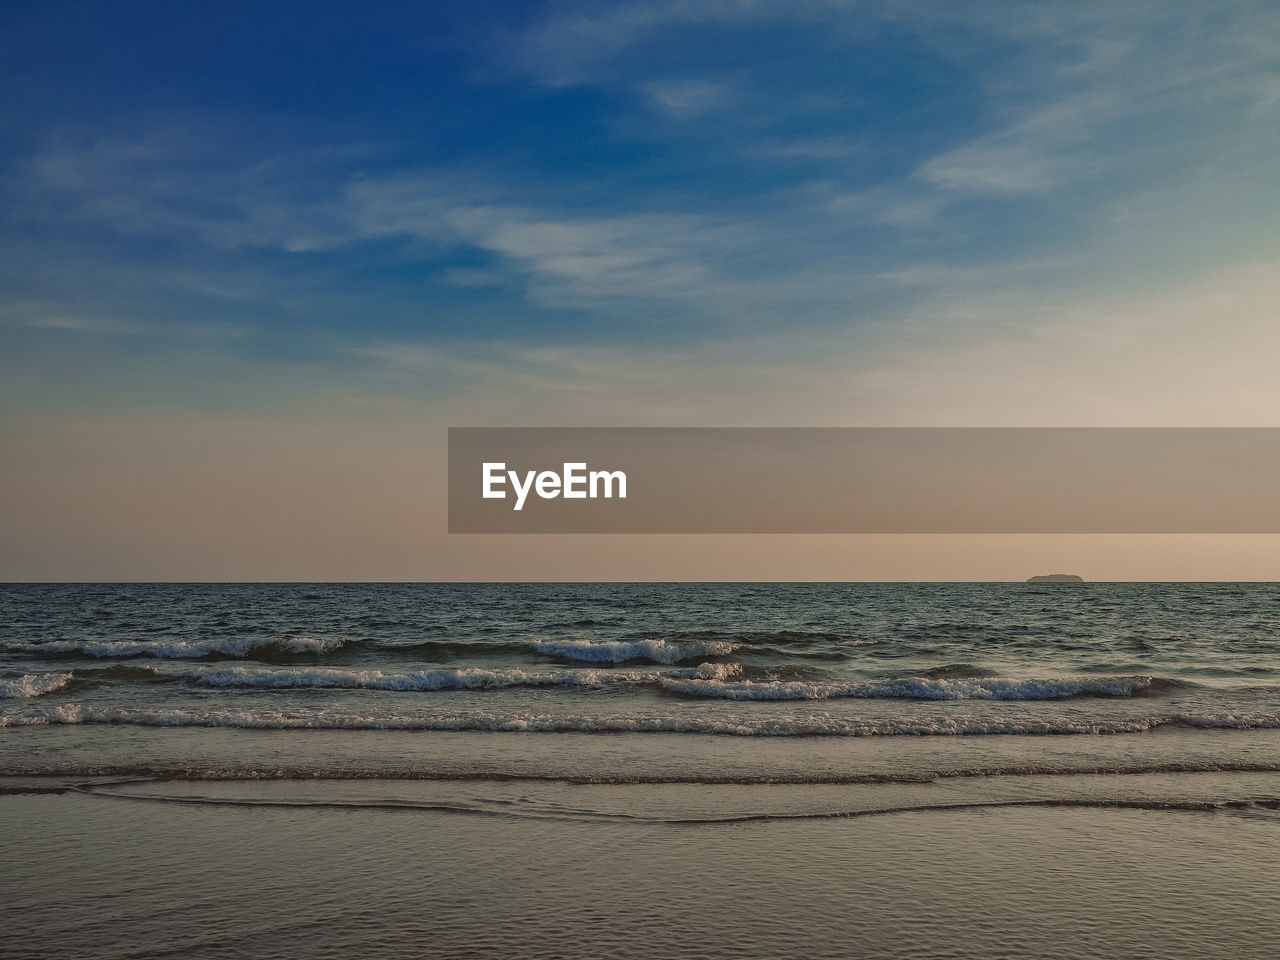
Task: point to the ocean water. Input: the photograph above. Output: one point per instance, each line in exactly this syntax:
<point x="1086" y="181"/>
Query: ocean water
<point x="897" y="770"/>
<point x="621" y="683"/>
<point x="745" y="660"/>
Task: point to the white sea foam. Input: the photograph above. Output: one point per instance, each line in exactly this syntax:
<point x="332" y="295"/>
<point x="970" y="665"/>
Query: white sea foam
<point x="1231" y="720"/>
<point x="711" y="671"/>
<point x="659" y="651"/>
<point x="181" y="649"/>
<point x="308" y="644"/>
<point x="745" y="726"/>
<point x="32" y="685"/>
<point x="461" y="678"/>
<point x="916" y="688"/>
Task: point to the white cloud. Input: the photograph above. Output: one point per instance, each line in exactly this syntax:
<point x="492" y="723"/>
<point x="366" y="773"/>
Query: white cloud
<point x="649" y="255"/>
<point x="753" y="257"/>
<point x="81" y="324"/>
<point x="690" y="97"/>
<point x="189" y="183"/>
<point x="1037" y="153"/>
<point x="819" y="148"/>
<point x="577" y="39"/>
<point x="565" y="258"/>
<point x="1200" y="354"/>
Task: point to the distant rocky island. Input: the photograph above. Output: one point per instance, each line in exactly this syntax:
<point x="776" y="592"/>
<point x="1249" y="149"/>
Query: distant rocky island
<point x="1056" y="578"/>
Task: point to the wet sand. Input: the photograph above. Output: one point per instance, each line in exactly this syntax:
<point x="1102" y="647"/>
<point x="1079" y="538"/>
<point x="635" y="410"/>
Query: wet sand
<point x="251" y="874"/>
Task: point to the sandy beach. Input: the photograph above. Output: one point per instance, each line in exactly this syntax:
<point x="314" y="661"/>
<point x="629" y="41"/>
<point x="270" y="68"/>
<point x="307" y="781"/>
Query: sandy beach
<point x="96" y="876"/>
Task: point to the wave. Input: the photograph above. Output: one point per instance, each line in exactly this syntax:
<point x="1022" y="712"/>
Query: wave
<point x="61" y="775"/>
<point x="119" y="672"/>
<point x="82" y="678"/>
<point x="658" y="651"/>
<point x="32" y="685"/>
<point x="778" y="638"/>
<point x="180" y="649"/>
<point x="461" y="678"/>
<point x="501" y="721"/>
<point x="1065" y="803"/>
<point x="919" y="688"/>
<point x="505" y="809"/>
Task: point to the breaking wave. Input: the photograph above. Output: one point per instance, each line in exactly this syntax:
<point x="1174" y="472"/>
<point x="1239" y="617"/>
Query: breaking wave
<point x="742" y="726"/>
<point x="919" y="688"/>
<point x="462" y="678"/>
<point x="32" y="685"/>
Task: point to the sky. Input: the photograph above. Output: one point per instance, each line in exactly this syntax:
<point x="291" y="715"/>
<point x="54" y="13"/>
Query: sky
<point x="255" y="259"/>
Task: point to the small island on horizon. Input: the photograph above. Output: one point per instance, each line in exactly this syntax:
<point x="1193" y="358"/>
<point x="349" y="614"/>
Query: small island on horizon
<point x="1056" y="578"/>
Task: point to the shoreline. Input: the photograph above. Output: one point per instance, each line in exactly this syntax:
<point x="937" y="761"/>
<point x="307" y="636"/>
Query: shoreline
<point x="209" y="881"/>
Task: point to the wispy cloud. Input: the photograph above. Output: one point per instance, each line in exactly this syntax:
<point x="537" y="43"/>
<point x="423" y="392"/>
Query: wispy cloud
<point x="753" y="218"/>
<point x="193" y="182"/>
<point x="79" y="324"/>
<point x="971" y="360"/>
<point x="566" y="259"/>
<point x="690" y="97"/>
<point x="1035" y="154"/>
<point x="818" y="148"/>
<point x="1071" y="89"/>
<point x="575" y="39"/>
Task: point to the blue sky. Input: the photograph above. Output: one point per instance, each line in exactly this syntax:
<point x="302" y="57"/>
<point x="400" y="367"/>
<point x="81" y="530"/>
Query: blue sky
<point x="269" y="219"/>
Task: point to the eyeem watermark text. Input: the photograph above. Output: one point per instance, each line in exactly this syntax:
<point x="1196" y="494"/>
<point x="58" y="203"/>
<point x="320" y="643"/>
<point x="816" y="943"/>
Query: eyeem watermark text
<point x="574" y="482"/>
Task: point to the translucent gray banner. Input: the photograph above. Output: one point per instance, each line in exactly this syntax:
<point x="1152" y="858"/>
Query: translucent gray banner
<point x="863" y="480"/>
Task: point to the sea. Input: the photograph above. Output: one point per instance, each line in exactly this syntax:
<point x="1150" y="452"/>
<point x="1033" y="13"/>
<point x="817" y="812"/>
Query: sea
<point x="590" y="769"/>
<point x="761" y="662"/>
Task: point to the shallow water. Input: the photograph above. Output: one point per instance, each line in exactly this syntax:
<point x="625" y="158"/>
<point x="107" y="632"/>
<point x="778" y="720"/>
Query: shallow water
<point x="99" y="877"/>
